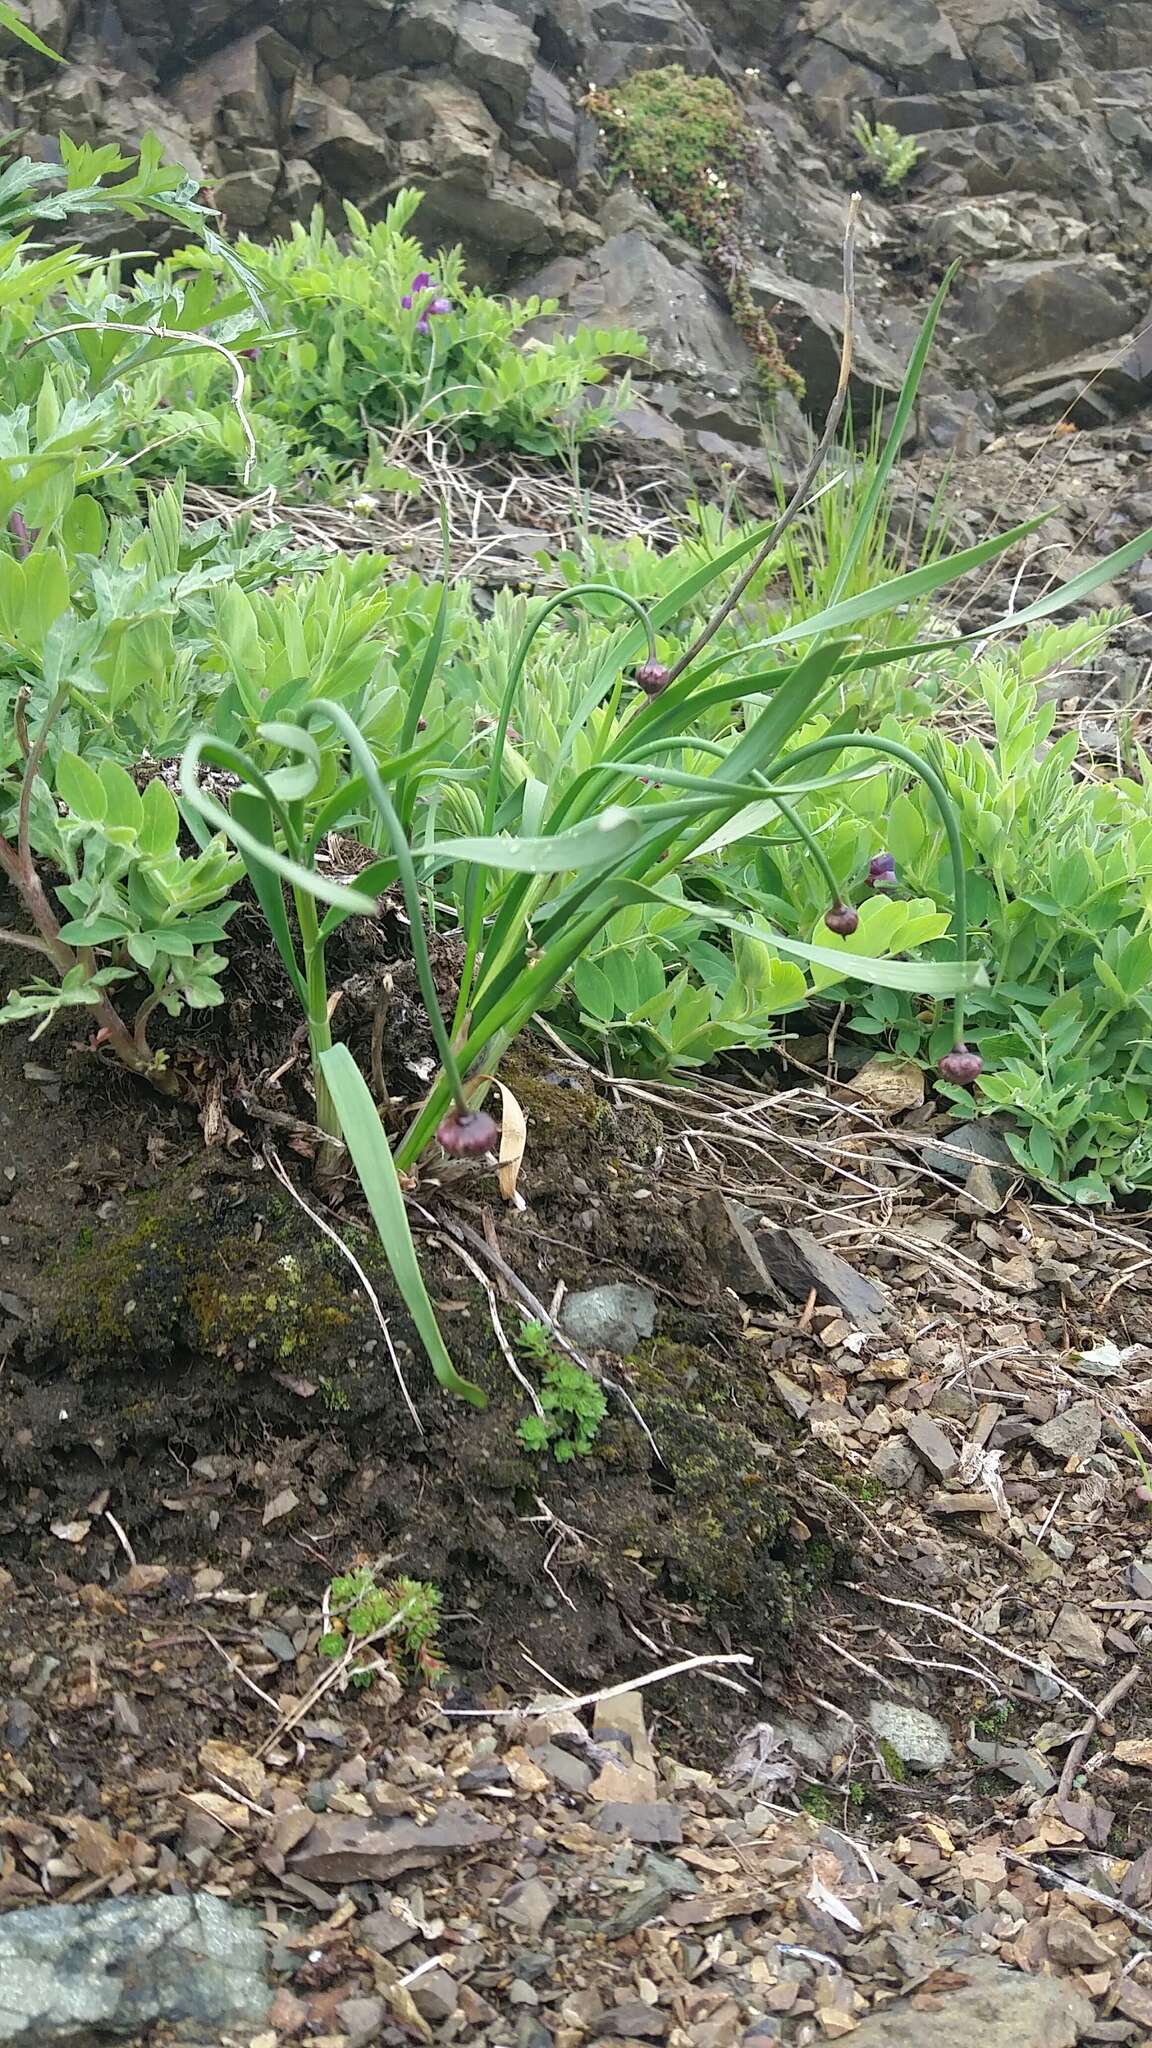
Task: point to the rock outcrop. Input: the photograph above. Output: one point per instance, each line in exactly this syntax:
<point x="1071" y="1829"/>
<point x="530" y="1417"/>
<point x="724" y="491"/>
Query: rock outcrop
<point x="1035" y="172"/>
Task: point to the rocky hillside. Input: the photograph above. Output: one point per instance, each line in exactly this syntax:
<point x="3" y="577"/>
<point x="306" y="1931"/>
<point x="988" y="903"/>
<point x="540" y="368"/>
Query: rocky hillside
<point x="1030" y="116"/>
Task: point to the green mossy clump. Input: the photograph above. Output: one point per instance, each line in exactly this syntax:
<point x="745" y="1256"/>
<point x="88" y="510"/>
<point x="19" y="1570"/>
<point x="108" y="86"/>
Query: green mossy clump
<point x="685" y="142"/>
<point x="188" y="1276"/>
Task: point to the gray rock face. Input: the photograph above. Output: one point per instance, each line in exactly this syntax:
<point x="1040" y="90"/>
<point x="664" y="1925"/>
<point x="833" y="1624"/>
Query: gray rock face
<point x="1013" y="317"/>
<point x="997" y="2008"/>
<point x="124" y="1966"/>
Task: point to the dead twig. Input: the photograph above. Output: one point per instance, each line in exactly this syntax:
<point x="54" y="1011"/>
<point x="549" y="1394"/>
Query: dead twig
<point x="593" y="1699"/>
<point x="1099" y="1714"/>
<point x="989" y="1642"/>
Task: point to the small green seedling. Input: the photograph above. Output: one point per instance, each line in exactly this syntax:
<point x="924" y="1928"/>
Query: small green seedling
<point x="360" y="1609"/>
<point x="574" y="1406"/>
<point x="891" y="154"/>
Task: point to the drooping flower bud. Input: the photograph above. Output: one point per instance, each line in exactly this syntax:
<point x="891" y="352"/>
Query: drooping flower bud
<point x="882" y="871"/>
<point x="843" y="919"/>
<point x="652" y="677"/>
<point x="961" y="1065"/>
<point x="467" y="1133"/>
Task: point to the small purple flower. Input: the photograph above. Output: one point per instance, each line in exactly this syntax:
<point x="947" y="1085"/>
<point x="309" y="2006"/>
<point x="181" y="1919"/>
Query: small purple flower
<point x="882" y="871"/>
<point x="406" y="302"/>
<point x="468" y="1133"/>
<point x="843" y="919"/>
<point x="961" y="1065"/>
<point x="652" y="677"/>
<point x="422" y="325"/>
<point x="421" y="281"/>
<point x="440" y="306"/>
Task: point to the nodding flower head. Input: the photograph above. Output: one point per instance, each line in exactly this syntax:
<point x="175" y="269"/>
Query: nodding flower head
<point x="842" y="919"/>
<point x="652" y="677"/>
<point x="961" y="1065"/>
<point x="468" y="1133"/>
<point x="882" y="871"/>
<point x="420" y="282"/>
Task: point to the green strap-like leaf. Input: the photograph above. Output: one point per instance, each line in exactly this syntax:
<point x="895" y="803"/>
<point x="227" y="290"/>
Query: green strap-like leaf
<point x="364" y="1136"/>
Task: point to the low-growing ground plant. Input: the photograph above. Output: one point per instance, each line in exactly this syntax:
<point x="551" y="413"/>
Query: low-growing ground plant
<point x="397" y="1620"/>
<point x="685" y="142"/>
<point x="574" y="1403"/>
<point x="891" y="156"/>
<point x="369" y="343"/>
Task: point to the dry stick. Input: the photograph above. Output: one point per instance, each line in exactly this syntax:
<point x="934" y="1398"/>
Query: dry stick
<point x="373" y="1298"/>
<point x="797" y="500"/>
<point x="501" y="1333"/>
<point x="1099" y="1713"/>
<point x="989" y="1642"/>
<point x="593" y="1699"/>
<point x="1084" y="1891"/>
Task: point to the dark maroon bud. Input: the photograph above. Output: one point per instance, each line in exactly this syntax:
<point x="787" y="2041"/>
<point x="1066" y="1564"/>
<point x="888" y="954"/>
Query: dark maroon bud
<point x="961" y="1065"/>
<point x="882" y="871"/>
<point x="18" y="528"/>
<point x="652" y="677"/>
<point x="467" y="1133"/>
<point x="842" y="919"/>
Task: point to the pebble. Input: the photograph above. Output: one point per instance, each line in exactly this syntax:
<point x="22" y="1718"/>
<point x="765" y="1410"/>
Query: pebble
<point x="436" y="1996"/>
<point x="520" y="1993"/>
<point x="527" y="1905"/>
<point x="571" y="1773"/>
<point x="1074" y="1434"/>
<point x="918" y="1738"/>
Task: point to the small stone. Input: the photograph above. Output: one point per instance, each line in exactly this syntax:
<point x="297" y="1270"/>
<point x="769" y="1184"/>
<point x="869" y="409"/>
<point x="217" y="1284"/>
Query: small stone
<point x="633" y="2021"/>
<point x="932" y="1446"/>
<point x="279" y="1645"/>
<point x="238" y="1767"/>
<point x="436" y="1996"/>
<point x="615" y="1317"/>
<point x="894" y="1464"/>
<point x="520" y="1993"/>
<point x="363" y="2019"/>
<point x="1136" y="1753"/>
<point x="1070" y="1938"/>
<point x="383" y="1931"/>
<point x="918" y="1739"/>
<point x="1080" y="1637"/>
<point x="1140" y="1580"/>
<point x="656" y="1821"/>
<point x="571" y="1773"/>
<point x="527" y="1905"/>
<point x="1074" y="1434"/>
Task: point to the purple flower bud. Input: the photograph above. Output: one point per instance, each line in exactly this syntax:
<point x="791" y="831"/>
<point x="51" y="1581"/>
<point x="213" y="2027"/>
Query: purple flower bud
<point x="652" y="677"/>
<point x="406" y="302"/>
<point x="882" y="871"/>
<point x="440" y="306"/>
<point x="250" y="354"/>
<point x="18" y="528"/>
<point x="468" y="1133"/>
<point x="421" y="281"/>
<point x="422" y="325"/>
<point x="842" y="919"/>
<point x="961" y="1065"/>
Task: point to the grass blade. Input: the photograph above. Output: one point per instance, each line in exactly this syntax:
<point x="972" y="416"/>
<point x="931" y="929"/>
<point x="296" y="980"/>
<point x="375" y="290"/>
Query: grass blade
<point x="364" y="1136"/>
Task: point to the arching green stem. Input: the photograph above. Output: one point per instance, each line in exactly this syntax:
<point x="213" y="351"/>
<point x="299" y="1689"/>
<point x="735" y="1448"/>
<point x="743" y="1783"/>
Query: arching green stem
<point x="873" y="743"/>
<point x="361" y="753"/>
<point x="785" y="809"/>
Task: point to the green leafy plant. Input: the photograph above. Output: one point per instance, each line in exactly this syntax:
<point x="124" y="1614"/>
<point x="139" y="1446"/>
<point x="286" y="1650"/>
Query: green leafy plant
<point x="685" y="142"/>
<point x="403" y="1614"/>
<point x="891" y="155"/>
<point x="370" y="344"/>
<point x="574" y="1406"/>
